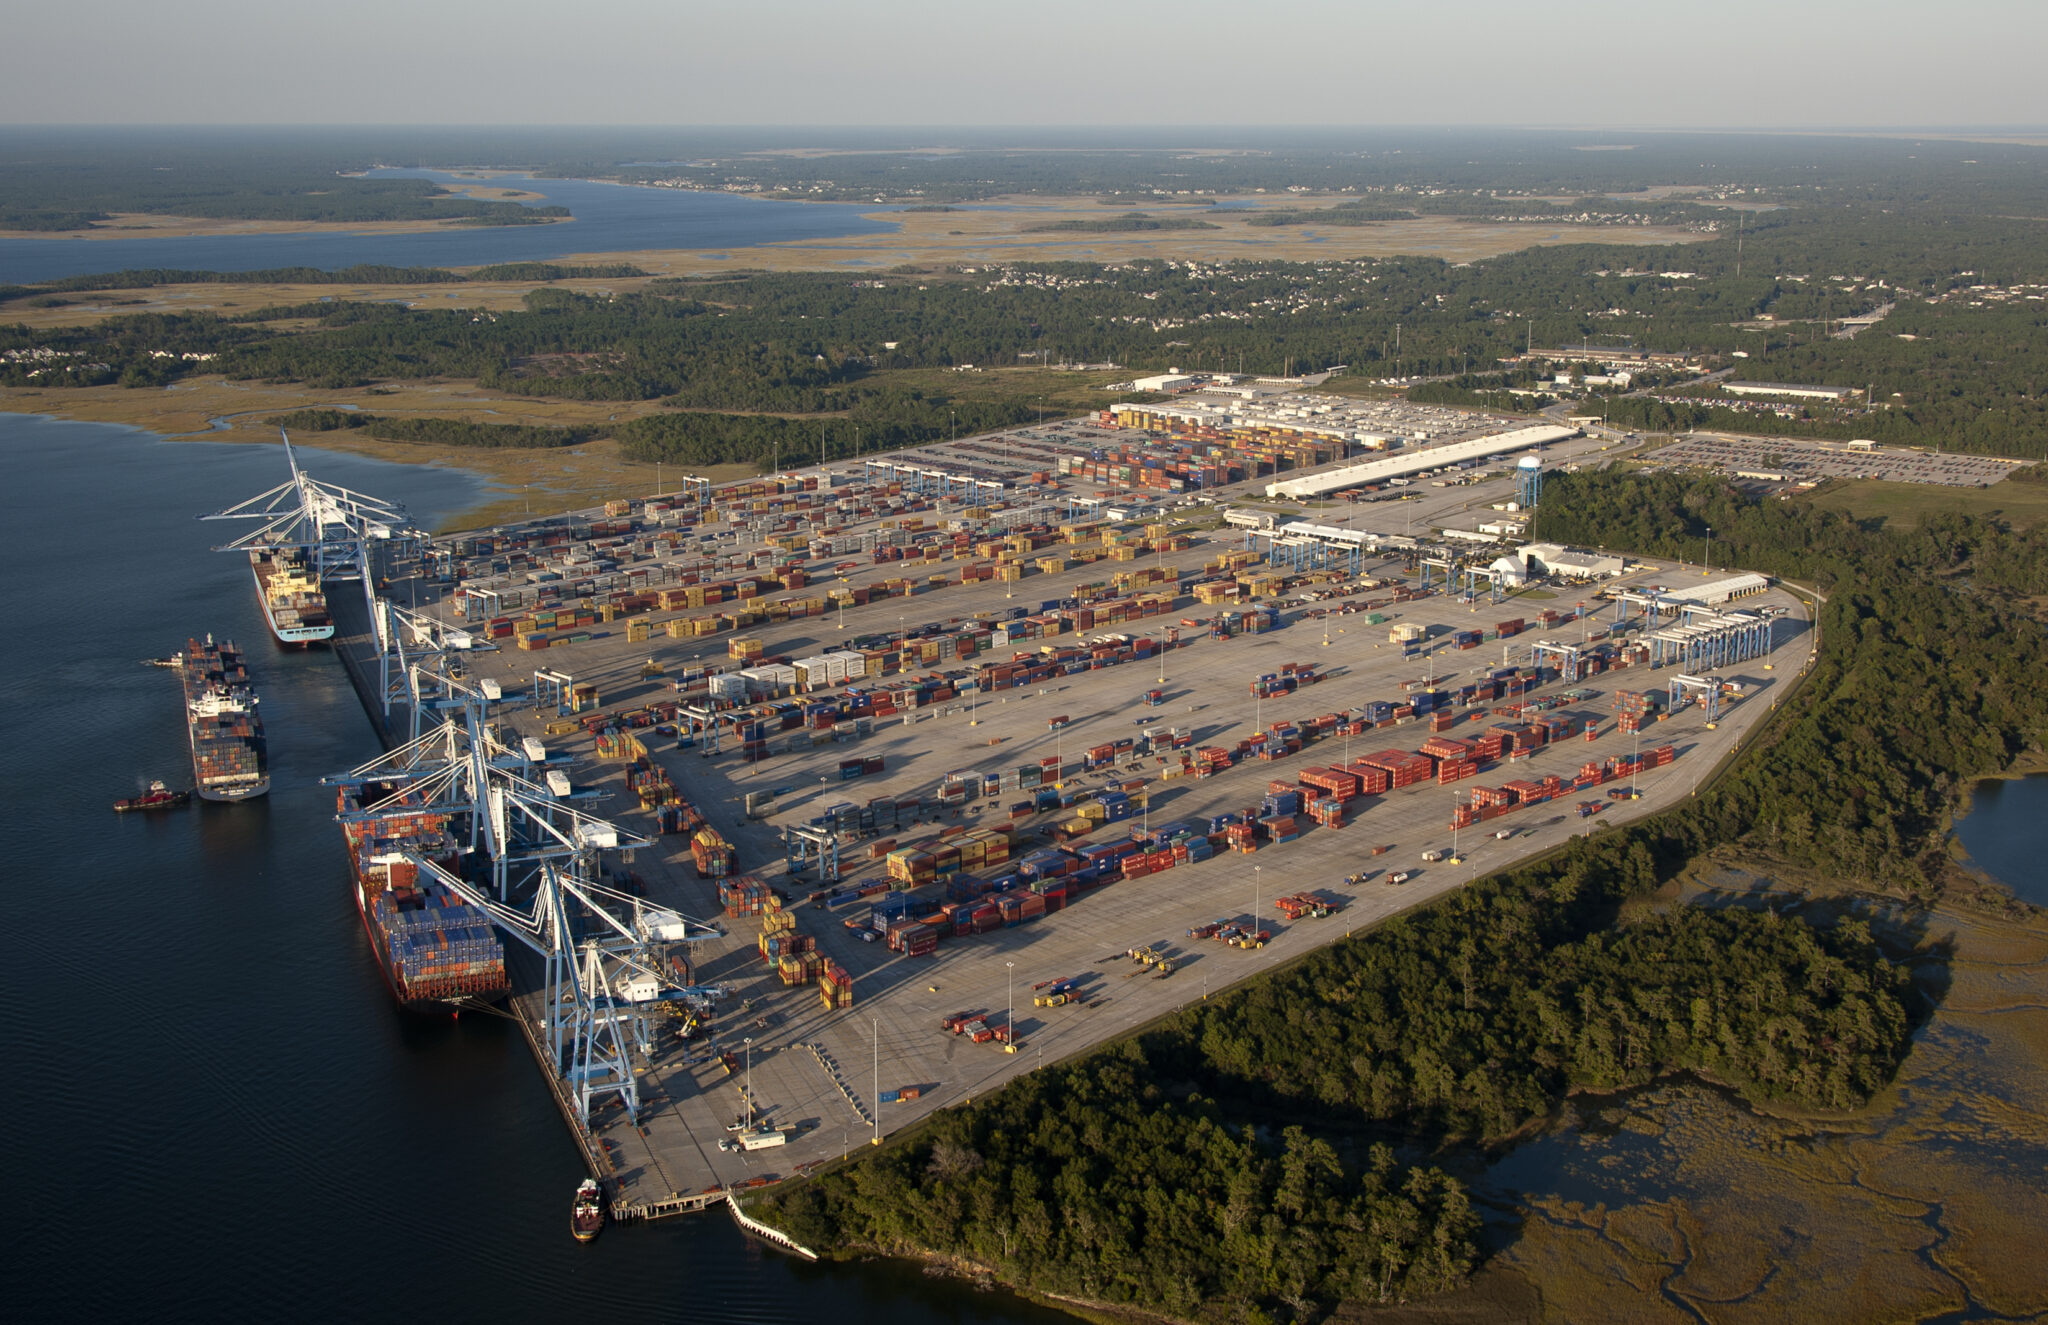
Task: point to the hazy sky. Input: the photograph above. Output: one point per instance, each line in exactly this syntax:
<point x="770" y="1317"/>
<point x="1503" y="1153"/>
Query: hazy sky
<point x="1057" y="62"/>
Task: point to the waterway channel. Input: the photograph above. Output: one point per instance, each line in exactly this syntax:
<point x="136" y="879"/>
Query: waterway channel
<point x="609" y="218"/>
<point x="2005" y="831"/>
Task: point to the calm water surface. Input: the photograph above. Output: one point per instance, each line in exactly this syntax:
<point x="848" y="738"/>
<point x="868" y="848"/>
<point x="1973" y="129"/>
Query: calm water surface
<point x="214" y="1111"/>
<point x="2005" y="833"/>
<point x="610" y="218"/>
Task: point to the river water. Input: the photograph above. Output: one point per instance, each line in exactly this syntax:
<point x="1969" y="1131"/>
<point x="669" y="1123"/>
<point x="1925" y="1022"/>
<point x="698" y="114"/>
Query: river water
<point x="214" y="1110"/>
<point x="610" y="218"/>
<point x="2004" y="834"/>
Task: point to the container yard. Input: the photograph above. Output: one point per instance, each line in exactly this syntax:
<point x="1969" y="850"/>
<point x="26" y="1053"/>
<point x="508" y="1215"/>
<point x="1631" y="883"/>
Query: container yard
<point x="918" y="734"/>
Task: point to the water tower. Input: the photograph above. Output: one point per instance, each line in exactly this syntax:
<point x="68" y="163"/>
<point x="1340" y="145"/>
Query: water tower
<point x="1528" y="480"/>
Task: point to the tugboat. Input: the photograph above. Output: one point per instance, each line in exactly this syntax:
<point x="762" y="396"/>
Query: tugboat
<point x="158" y="797"/>
<point x="586" y="1219"/>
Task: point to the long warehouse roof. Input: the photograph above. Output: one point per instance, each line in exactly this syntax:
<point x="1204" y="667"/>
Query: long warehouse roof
<point x="1414" y="462"/>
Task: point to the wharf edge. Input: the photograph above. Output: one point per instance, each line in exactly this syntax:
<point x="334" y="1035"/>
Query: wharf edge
<point x="354" y="645"/>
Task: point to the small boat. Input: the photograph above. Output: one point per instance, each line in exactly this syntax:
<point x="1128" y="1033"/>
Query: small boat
<point x="172" y="661"/>
<point x="586" y="1219"/>
<point x="158" y="797"/>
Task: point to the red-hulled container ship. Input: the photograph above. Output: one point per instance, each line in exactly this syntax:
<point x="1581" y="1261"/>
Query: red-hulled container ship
<point x="439" y="954"/>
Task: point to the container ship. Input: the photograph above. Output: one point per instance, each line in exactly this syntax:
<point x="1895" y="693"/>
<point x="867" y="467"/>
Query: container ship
<point x="439" y="954"/>
<point x="293" y="602"/>
<point x="229" y="758"/>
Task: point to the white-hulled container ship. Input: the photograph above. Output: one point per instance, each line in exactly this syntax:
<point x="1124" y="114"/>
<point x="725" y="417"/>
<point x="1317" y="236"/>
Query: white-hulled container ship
<point x="293" y="602"/>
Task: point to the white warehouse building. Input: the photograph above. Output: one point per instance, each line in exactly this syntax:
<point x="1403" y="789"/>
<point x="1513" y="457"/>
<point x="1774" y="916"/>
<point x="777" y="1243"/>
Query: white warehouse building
<point x="1722" y="591"/>
<point x="1557" y="559"/>
<point x="1416" y="461"/>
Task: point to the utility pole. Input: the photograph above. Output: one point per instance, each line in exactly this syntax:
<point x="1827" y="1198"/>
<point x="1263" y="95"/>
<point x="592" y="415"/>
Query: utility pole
<point x="877" y="1025"/>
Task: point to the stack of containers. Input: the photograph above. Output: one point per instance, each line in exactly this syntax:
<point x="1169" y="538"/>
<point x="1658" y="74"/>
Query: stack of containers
<point x="1282" y="804"/>
<point x="913" y="938"/>
<point x="835" y="985"/>
<point x="1016" y="908"/>
<point x="798" y="968"/>
<point x="711" y="853"/>
<point x="913" y="865"/>
<point x="1403" y="769"/>
<point x="743" y="896"/>
<point x="440" y="949"/>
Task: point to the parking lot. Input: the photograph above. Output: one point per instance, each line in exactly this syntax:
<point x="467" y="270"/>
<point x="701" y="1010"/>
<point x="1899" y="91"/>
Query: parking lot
<point x="1788" y="460"/>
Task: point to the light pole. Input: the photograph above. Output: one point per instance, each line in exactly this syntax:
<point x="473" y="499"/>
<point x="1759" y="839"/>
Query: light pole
<point x="1256" y="881"/>
<point x="750" y="1082"/>
<point x="1708" y="564"/>
<point x="877" y="1030"/>
<point x="1010" y="1021"/>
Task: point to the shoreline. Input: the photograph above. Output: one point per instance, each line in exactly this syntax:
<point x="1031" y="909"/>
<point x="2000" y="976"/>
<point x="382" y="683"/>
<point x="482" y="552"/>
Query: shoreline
<point x="150" y="225"/>
<point x="499" y="501"/>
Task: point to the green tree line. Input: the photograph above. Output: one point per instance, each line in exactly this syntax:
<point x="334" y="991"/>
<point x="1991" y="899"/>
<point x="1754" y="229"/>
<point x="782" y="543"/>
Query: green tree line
<point x="443" y="432"/>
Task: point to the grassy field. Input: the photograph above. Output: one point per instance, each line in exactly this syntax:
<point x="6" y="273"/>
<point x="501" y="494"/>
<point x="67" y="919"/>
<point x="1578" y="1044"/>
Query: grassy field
<point x="1004" y="232"/>
<point x="1905" y="505"/>
<point x="83" y="309"/>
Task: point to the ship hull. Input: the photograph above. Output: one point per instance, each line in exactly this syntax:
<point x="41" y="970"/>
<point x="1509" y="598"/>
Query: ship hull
<point x="294" y="635"/>
<point x="233" y="795"/>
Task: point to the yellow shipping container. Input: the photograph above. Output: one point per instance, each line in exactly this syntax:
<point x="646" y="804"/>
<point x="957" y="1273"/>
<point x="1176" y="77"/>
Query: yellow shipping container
<point x="637" y="632"/>
<point x="680" y="628"/>
<point x="1010" y="574"/>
